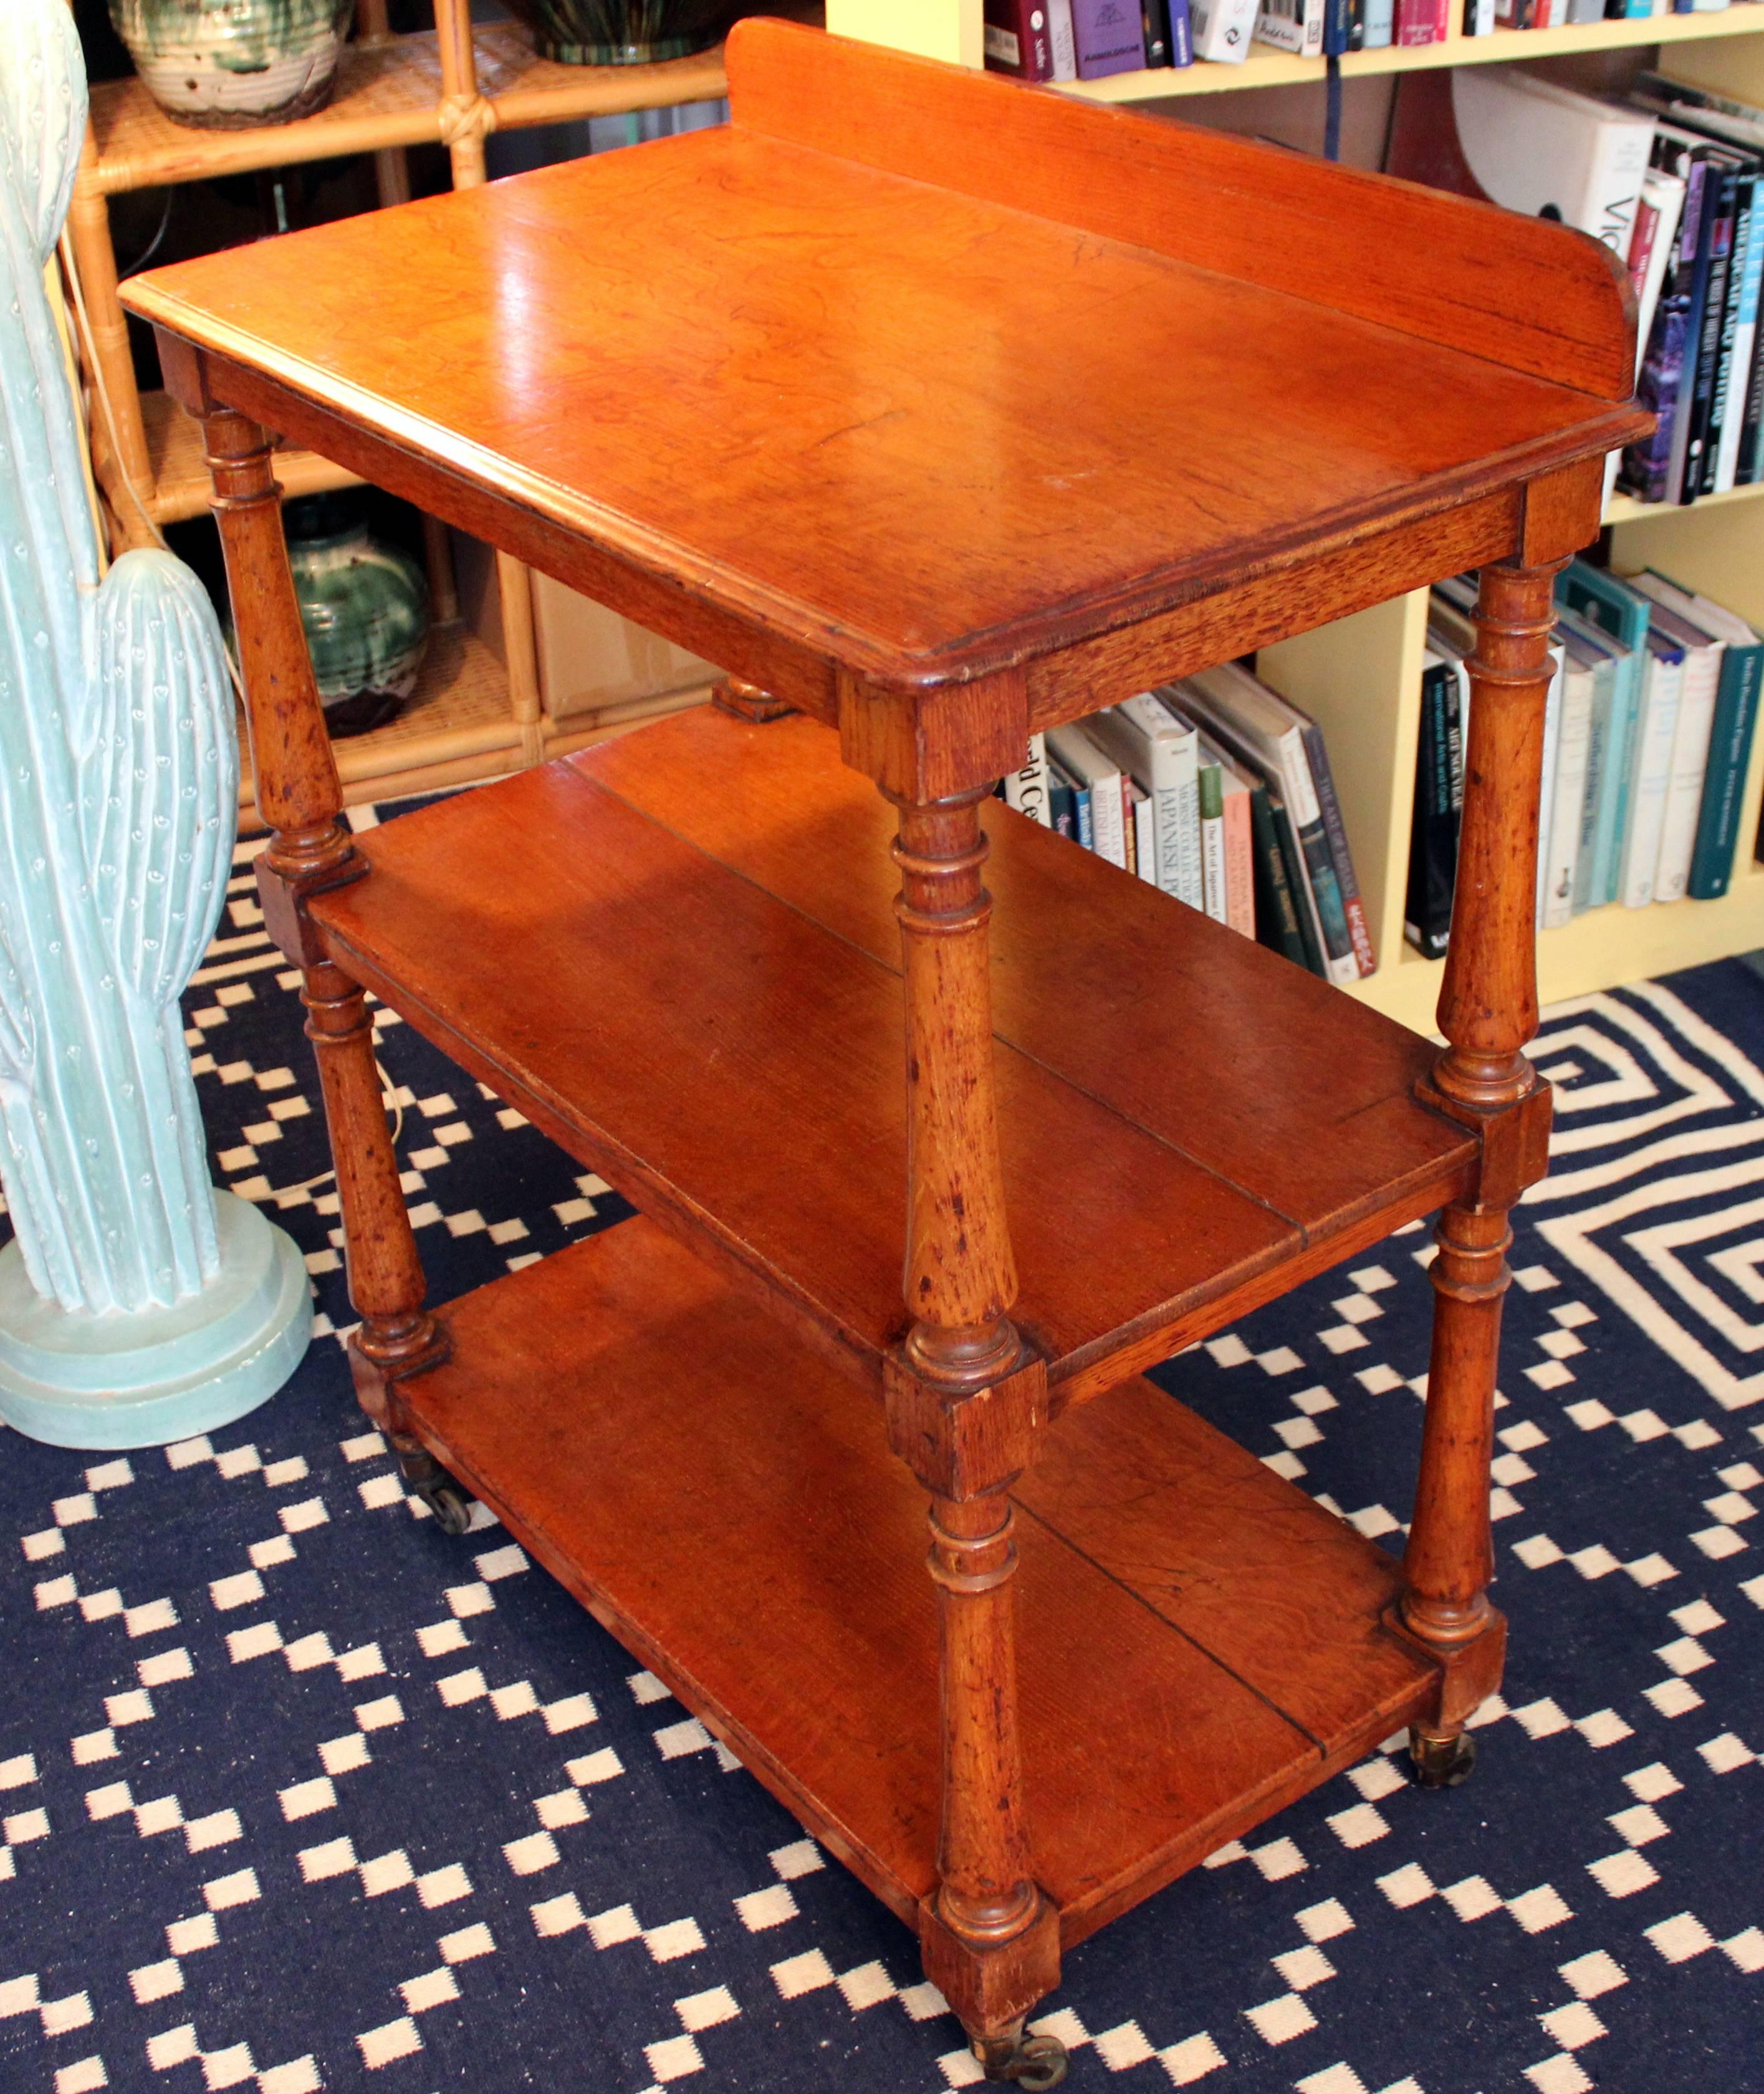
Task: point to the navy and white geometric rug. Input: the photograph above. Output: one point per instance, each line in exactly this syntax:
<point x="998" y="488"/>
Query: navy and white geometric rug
<point x="296" y="1794"/>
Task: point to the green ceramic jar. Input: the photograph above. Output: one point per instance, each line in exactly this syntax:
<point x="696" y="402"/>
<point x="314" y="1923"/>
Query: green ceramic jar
<point x="622" y="32"/>
<point x="365" y="608"/>
<point x="227" y="65"/>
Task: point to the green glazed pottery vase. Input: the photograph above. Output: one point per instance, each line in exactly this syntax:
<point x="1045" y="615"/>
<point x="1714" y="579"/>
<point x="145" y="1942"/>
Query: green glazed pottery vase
<point x="226" y="65"/>
<point x="365" y="608"/>
<point x="622" y="32"/>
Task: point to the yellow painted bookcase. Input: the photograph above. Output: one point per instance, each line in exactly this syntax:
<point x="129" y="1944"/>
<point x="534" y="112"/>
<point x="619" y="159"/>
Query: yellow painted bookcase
<point x="1361" y="677"/>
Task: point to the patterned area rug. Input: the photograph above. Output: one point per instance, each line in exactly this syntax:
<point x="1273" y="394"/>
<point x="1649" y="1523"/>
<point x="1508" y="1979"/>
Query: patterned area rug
<point x="298" y="1794"/>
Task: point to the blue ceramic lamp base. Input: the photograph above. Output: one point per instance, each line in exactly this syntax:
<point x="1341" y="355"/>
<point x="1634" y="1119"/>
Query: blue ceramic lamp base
<point x="75" y="1379"/>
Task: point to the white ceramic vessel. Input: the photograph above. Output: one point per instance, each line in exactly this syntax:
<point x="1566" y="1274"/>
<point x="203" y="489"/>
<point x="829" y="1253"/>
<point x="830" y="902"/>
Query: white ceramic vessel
<point x="231" y="64"/>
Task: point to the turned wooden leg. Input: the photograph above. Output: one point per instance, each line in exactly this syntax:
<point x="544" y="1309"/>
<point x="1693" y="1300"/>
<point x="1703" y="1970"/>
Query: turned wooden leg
<point x="310" y="850"/>
<point x="1487" y="1011"/>
<point x="965" y="1402"/>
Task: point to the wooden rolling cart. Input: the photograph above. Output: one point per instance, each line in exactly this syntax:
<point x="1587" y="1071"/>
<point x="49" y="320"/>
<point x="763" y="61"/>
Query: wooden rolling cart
<point x="474" y="715"/>
<point x="927" y="414"/>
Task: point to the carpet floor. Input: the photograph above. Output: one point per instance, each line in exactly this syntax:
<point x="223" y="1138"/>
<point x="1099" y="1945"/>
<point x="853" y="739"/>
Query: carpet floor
<point x="298" y="1794"/>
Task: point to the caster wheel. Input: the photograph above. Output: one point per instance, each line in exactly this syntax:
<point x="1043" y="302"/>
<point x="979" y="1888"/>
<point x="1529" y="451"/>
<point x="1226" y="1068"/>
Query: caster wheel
<point x="1037" y="2061"/>
<point x="452" y="1515"/>
<point x="1441" y="1762"/>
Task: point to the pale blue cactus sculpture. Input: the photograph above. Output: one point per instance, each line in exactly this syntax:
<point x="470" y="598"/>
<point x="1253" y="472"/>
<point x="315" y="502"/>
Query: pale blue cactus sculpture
<point x="137" y="1303"/>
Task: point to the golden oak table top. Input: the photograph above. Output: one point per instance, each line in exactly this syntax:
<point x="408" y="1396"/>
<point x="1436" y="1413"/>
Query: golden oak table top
<point x="909" y="425"/>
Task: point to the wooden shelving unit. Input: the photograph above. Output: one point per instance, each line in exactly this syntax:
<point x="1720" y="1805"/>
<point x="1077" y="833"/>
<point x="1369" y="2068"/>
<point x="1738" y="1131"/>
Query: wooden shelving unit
<point x="473" y="716"/>
<point x="1361" y="677"/>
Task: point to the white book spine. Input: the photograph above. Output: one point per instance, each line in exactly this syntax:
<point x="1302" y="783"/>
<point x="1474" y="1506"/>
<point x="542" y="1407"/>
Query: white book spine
<point x="1479" y="19"/>
<point x="1546" y="795"/>
<point x="1615" y="169"/>
<point x="1222" y="28"/>
<point x="1172" y="775"/>
<point x="1291" y="25"/>
<point x="1060" y="36"/>
<point x="1574" y="740"/>
<point x="1656" y="732"/>
<point x="1027" y="789"/>
<point x="1106" y="825"/>
<point x="1146" y="838"/>
<point x="1690" y="762"/>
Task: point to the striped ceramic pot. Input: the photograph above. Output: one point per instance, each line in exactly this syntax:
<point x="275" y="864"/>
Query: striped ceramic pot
<point x="365" y="608"/>
<point x="227" y="65"/>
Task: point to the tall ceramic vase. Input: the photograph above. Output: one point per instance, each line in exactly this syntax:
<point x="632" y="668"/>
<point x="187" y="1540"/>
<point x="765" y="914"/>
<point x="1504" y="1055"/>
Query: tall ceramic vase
<point x="137" y="1303"/>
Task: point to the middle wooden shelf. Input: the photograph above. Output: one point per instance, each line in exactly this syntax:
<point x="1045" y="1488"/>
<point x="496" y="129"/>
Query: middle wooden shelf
<point x="677" y="955"/>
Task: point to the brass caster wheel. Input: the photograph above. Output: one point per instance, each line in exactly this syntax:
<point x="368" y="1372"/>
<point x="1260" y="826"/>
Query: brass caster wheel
<point x="1442" y="1763"/>
<point x="425" y="1477"/>
<point x="1034" y="2062"/>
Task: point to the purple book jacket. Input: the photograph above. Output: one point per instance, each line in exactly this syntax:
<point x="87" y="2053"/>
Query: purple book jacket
<point x="1109" y="37"/>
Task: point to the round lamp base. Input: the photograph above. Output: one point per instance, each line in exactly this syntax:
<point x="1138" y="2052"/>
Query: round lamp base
<point x="143" y="1379"/>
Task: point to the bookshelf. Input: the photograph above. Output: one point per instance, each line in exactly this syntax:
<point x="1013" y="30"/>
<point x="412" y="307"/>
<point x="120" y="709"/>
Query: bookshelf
<point x="474" y="714"/>
<point x="1361" y="676"/>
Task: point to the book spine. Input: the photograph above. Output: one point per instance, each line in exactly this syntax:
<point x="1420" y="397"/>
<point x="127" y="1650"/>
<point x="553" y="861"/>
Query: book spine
<point x="1191" y="878"/>
<point x="1651" y="773"/>
<point x="1240" y="865"/>
<point x="1572" y="741"/>
<point x="1749" y="467"/>
<point x="1432" y="847"/>
<point x="1145" y="838"/>
<point x="1061" y="39"/>
<point x="1291" y="25"/>
<point x="1109" y="36"/>
<point x="1677" y="383"/>
<point x="1211" y="808"/>
<point x="1732" y="285"/>
<point x="1546" y="797"/>
<point x="1086" y="815"/>
<point x="1293" y="858"/>
<point x="1479" y="18"/>
<point x="1379" y="25"/>
<point x="1598" y="751"/>
<point x="1276" y="916"/>
<point x="1108" y="830"/>
<point x="1690" y="762"/>
<point x="1028" y="789"/>
<point x="1129" y="827"/>
<point x="1730" y="753"/>
<point x="1063" y="805"/>
<point x="1420" y="22"/>
<point x="1750" y="263"/>
<point x="1613" y="813"/>
<point x="1359" y="931"/>
<point x="1016" y="39"/>
<point x="1703" y="348"/>
<point x="1223" y="28"/>
<point x="1155" y="25"/>
<point x="1181" y="34"/>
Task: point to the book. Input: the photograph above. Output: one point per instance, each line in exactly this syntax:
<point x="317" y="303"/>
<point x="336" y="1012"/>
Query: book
<point x="1479" y="18"/>
<point x="1235" y="790"/>
<point x="1701" y="685"/>
<point x="1156" y="746"/>
<point x="1292" y="859"/>
<point x="1098" y="779"/>
<point x="1015" y="38"/>
<point x="1243" y="713"/>
<point x="1421" y="22"/>
<point x="1028" y="788"/>
<point x="1506" y="136"/>
<point x="1433" y="834"/>
<point x="1154" y="31"/>
<point x="1379" y="27"/>
<point x="1181" y="34"/>
<point x="1223" y="28"/>
<point x="1062" y="800"/>
<point x="1731" y="736"/>
<point x="1622" y="614"/>
<point x="1704" y="434"/>
<point x="1651" y="767"/>
<point x="1657" y="211"/>
<point x="1060" y="36"/>
<point x="1212" y="817"/>
<point x="1546" y="784"/>
<point x="1600" y="655"/>
<point x="1292" y="25"/>
<point x="1649" y="467"/>
<point x="1109" y="36"/>
<point x="1359" y="931"/>
<point x="1140" y="833"/>
<point x="1574" y="740"/>
<point x="1739" y="339"/>
<point x="1276" y="912"/>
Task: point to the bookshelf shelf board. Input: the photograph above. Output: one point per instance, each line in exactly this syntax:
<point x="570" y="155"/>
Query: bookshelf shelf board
<point x="1625" y="509"/>
<point x="1265" y="67"/>
<point x="388" y="94"/>
<point x="727" y="1506"/>
<point x="682" y="880"/>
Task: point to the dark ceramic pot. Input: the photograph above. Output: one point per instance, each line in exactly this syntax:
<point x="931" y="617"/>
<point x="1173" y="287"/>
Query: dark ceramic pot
<point x="624" y="31"/>
<point x="228" y="65"/>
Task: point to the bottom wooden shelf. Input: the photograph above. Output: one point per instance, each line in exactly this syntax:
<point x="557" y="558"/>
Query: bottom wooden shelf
<point x="1198" y="1642"/>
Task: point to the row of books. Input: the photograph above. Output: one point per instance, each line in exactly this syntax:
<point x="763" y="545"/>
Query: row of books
<point x="1059" y="40"/>
<point x="1669" y="180"/>
<point x="1218" y="791"/>
<point x="1647" y="737"/>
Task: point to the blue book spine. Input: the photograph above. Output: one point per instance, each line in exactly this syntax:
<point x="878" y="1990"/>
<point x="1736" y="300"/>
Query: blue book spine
<point x="1604" y="600"/>
<point x="1086" y="828"/>
<point x="1730" y="750"/>
<point x="1181" y="35"/>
